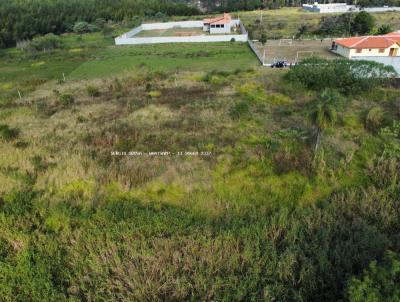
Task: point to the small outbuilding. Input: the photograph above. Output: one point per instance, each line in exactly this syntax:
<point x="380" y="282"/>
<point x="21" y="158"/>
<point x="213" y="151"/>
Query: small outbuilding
<point x="219" y="25"/>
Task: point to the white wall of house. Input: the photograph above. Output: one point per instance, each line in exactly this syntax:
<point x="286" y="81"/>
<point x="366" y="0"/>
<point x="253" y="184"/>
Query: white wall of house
<point x="220" y="29"/>
<point x="366" y="52"/>
<point x="373" y="52"/>
<point x="343" y="51"/>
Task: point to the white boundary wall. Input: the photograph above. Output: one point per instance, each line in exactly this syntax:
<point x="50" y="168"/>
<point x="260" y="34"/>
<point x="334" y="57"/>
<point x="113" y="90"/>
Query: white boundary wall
<point x="129" y="37"/>
<point x="343" y="8"/>
<point x="381" y="9"/>
<point x="393" y="61"/>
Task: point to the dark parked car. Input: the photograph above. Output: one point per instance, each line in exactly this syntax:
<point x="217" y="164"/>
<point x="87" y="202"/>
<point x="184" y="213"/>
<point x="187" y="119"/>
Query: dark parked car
<point x="280" y="64"/>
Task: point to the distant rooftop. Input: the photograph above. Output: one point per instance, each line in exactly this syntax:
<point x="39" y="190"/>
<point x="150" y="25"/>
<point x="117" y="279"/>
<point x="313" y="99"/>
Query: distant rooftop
<point x="225" y="19"/>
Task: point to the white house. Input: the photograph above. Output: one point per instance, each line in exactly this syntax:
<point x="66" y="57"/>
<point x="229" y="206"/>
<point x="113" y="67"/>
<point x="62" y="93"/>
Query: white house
<point x="219" y="25"/>
<point x="329" y="8"/>
<point x="344" y="7"/>
<point x="368" y="46"/>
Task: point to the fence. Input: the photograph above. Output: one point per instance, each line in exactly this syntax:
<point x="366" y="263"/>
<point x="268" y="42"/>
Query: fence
<point x="130" y="39"/>
<point x="260" y="57"/>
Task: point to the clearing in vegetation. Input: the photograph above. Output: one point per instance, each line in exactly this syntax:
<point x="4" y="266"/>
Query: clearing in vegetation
<point x="92" y="56"/>
<point x="297" y="50"/>
<point x="172" y="32"/>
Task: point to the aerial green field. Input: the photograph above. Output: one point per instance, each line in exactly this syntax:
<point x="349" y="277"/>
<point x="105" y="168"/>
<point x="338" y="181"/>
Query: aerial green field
<point x="188" y="172"/>
<point x="95" y="57"/>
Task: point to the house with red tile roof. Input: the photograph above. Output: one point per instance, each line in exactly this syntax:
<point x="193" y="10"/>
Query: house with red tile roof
<point x="368" y="46"/>
<point x="219" y="25"/>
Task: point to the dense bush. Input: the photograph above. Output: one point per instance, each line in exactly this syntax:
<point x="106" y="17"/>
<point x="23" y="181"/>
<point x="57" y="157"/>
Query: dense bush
<point x="46" y="43"/>
<point x="374" y="119"/>
<point x="381" y="282"/>
<point x="84" y="27"/>
<point x="346" y="76"/>
<point x="93" y="91"/>
<point x="8" y="133"/>
<point x="66" y="99"/>
<point x="347" y="24"/>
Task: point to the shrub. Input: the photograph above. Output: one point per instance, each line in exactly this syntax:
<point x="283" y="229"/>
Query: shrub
<point x="21" y="145"/>
<point x="43" y="108"/>
<point x="380" y="282"/>
<point x="154" y="94"/>
<point x="349" y="77"/>
<point x="66" y="99"/>
<point x="263" y="38"/>
<point x="39" y="165"/>
<point x="47" y="42"/>
<point x="374" y="119"/>
<point x="363" y="23"/>
<point x="93" y="91"/>
<point x="384" y="29"/>
<point x="81" y="27"/>
<point x="239" y="109"/>
<point x="7" y="133"/>
<point x="293" y="159"/>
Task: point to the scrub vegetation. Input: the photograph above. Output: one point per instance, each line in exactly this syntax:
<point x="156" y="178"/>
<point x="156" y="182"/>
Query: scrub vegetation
<point x="275" y="189"/>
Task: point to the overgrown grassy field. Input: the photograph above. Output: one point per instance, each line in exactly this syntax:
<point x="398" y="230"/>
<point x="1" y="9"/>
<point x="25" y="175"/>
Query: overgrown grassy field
<point x="241" y="209"/>
<point x="93" y="56"/>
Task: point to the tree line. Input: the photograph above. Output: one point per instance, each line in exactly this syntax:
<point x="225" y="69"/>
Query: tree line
<point x="234" y="5"/>
<point x="23" y="19"/>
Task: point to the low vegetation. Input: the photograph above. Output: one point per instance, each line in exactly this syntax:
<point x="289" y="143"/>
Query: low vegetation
<point x="278" y="185"/>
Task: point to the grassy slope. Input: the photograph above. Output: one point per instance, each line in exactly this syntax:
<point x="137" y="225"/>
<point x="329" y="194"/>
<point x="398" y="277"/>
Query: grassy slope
<point x="254" y="221"/>
<point x="285" y="22"/>
<point x="96" y="57"/>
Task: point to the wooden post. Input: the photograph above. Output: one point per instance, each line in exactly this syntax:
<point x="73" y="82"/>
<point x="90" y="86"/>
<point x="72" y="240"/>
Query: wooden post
<point x="19" y="93"/>
<point x="64" y="77"/>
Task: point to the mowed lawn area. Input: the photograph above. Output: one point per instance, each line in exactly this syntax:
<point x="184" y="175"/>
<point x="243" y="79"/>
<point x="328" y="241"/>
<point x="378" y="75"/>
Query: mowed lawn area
<point x="167" y="57"/>
<point x="295" y="50"/>
<point x="93" y="56"/>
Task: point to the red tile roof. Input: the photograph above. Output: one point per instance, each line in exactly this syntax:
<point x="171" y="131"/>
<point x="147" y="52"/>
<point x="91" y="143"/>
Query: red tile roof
<point x="370" y="41"/>
<point x="226" y="19"/>
<point x="394" y="36"/>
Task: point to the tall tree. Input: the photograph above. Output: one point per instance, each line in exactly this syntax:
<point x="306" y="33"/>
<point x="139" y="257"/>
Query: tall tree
<point x="324" y="113"/>
<point x="363" y="23"/>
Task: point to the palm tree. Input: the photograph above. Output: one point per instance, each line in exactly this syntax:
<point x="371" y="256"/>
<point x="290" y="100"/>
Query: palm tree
<point x="324" y="113"/>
